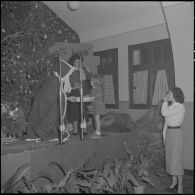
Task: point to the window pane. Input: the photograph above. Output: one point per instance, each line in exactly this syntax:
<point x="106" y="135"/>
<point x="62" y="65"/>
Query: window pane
<point x="136" y="57"/>
<point x="103" y="61"/>
<point x="140" y="83"/>
<point x="108" y="89"/>
<point x="157" y="54"/>
<point x="166" y="52"/>
<point x="161" y="87"/>
<point x="145" y="56"/>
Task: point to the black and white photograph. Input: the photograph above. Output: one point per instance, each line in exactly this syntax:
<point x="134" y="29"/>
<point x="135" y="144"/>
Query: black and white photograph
<point x="97" y="97"/>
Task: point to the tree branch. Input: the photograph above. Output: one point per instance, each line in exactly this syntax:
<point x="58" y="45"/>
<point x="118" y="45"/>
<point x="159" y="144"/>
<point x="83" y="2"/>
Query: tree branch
<point x="17" y="34"/>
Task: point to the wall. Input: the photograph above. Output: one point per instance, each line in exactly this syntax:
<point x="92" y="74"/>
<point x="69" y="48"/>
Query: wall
<point x="155" y="17"/>
<point x="181" y="27"/>
<point x="180" y="16"/>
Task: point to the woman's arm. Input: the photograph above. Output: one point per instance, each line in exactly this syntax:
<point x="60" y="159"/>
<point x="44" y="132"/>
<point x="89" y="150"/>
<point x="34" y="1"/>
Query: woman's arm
<point x="164" y="130"/>
<point x="170" y="110"/>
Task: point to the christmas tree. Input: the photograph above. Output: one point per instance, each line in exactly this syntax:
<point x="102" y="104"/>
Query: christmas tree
<point x="28" y="29"/>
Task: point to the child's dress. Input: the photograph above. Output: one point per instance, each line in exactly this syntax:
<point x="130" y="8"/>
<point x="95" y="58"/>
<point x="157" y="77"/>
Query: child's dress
<point x="98" y="103"/>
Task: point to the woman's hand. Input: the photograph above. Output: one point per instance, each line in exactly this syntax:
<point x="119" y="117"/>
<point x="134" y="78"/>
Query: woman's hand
<point x="72" y="98"/>
<point x="167" y="97"/>
<point x="76" y="86"/>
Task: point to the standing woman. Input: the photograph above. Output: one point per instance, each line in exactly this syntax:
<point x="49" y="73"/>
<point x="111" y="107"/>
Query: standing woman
<point x="173" y="136"/>
<point x="73" y="108"/>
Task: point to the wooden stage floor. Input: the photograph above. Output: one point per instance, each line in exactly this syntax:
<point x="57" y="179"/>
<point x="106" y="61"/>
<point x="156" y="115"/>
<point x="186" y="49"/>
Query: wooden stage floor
<point x="22" y="146"/>
<point x="40" y="154"/>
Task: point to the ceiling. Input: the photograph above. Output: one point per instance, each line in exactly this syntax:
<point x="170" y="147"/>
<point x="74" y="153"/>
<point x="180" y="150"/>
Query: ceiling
<point x="94" y="15"/>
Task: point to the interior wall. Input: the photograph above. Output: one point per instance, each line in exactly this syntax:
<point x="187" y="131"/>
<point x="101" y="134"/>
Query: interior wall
<point x="180" y="21"/>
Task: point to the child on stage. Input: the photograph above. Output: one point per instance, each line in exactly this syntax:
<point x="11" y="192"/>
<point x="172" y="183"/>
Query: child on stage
<point x="97" y="104"/>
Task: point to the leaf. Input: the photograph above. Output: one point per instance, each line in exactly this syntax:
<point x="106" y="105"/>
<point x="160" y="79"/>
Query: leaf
<point x="110" y="179"/>
<point x="147" y="180"/>
<point x="117" y="164"/>
<point x="145" y="173"/>
<point x="44" y="175"/>
<point x="100" y="182"/>
<point x="78" y="164"/>
<point x="12" y="183"/>
<point x="91" y="161"/>
<point x="130" y="154"/>
<point x="88" y="173"/>
<point x="108" y="189"/>
<point x="131" y="178"/>
<point x="143" y="166"/>
<point x="58" y="165"/>
<point x="84" y="183"/>
<point x="62" y="183"/>
<point x="48" y="188"/>
<point x="129" y="188"/>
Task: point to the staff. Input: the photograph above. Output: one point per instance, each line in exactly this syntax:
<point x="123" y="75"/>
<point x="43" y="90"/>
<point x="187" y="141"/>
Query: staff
<point x="65" y="88"/>
<point x="81" y="98"/>
<point x="60" y="93"/>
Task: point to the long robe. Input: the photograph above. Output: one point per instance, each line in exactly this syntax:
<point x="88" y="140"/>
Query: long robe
<point x="44" y="119"/>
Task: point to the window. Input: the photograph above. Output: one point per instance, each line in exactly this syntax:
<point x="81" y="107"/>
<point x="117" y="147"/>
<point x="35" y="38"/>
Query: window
<point x="151" y="73"/>
<point x="108" y="68"/>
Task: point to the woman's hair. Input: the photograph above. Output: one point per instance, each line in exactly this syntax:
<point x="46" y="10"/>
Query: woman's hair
<point x="178" y="94"/>
<point x="97" y="79"/>
<point x="73" y="58"/>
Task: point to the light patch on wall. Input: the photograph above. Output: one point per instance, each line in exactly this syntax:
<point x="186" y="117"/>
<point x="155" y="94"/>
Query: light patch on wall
<point x="170" y="3"/>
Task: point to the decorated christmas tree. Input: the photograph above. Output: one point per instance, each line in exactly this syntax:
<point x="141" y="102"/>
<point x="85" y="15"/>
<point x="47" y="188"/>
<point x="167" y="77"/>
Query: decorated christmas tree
<point x="28" y="29"/>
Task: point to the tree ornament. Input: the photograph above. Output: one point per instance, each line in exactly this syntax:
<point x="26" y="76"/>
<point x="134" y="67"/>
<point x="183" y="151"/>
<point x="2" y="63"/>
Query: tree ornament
<point x="43" y="25"/>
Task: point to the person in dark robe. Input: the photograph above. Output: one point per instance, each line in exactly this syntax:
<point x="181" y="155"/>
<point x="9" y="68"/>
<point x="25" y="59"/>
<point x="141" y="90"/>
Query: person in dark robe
<point x="44" y="118"/>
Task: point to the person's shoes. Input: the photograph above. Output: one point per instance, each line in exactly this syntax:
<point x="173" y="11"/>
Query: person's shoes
<point x="74" y="133"/>
<point x="96" y="135"/>
<point x="171" y="189"/>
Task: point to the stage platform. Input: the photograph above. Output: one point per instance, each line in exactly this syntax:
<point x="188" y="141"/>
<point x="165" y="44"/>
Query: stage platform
<point x="40" y="154"/>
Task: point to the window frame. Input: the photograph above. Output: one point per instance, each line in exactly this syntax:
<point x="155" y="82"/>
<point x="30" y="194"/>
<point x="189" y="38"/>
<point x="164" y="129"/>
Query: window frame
<point x="163" y="64"/>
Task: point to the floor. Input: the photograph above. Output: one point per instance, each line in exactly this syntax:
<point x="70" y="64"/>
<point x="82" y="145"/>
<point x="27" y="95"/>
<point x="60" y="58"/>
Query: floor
<point x="161" y="186"/>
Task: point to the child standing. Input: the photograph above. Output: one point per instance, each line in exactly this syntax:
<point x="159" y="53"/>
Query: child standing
<point x="97" y="104"/>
